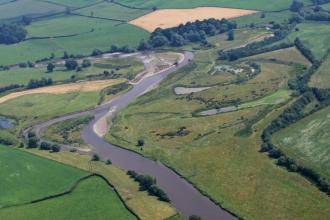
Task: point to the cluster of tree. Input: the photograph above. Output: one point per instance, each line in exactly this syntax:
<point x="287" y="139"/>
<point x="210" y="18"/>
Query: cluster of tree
<point x="36" y="83"/>
<point x="12" y="33"/>
<point x="112" y="90"/>
<point x="297" y="6"/>
<point x="186" y="33"/>
<point x="148" y="183"/>
<point x="32" y="140"/>
<point x="123" y="49"/>
<point x="10" y="87"/>
<point x="48" y="146"/>
<point x="256" y="47"/>
<point x="304" y="50"/>
<point x="320" y="2"/>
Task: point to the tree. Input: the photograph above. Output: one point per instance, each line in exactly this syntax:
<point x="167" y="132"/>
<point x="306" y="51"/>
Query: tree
<point x="45" y="146"/>
<point x="50" y="67"/>
<point x="12" y="33"/>
<point x="108" y="162"/>
<point x="140" y="143"/>
<point x="65" y="55"/>
<point x="143" y="45"/>
<point x="95" y="157"/>
<point x="55" y="148"/>
<point x="96" y="52"/>
<point x="26" y="20"/>
<point x="86" y="63"/>
<point x="296" y="6"/>
<point x="195" y="217"/>
<point x="71" y="64"/>
<point x="32" y="142"/>
<point x="231" y="35"/>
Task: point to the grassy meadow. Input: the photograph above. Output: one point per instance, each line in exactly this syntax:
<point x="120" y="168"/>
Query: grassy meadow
<point x="243" y="180"/>
<point x="25" y="177"/>
<point x="307" y="141"/>
<point x="253" y="4"/>
<point x="145" y="206"/>
<point x="322" y="76"/>
<point x="91" y="199"/>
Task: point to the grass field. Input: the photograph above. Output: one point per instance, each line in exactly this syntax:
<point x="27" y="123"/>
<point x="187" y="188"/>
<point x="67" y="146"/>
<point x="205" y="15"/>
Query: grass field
<point x="269" y="17"/>
<point x="326" y="6"/>
<point x="314" y="35"/>
<point x="321" y="78"/>
<point x="67" y="132"/>
<point x="147" y="207"/>
<point x="25" y="177"/>
<point x="123" y="67"/>
<point x="47" y="106"/>
<point x="103" y="32"/>
<point x="207" y="148"/>
<point x="92" y="199"/>
<point x="75" y="3"/>
<point x="33" y="8"/>
<point x="307" y="141"/>
<point x="253" y="4"/>
<point x="288" y="55"/>
<point x="112" y="11"/>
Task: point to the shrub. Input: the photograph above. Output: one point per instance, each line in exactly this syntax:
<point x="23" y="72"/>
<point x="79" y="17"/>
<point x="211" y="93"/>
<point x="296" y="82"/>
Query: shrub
<point x="95" y="157"/>
<point x="55" y="148"/>
<point x="45" y="146"/>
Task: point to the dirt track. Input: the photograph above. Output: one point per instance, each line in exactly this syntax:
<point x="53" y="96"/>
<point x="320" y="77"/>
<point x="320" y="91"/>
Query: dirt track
<point x="86" y="86"/>
<point x="166" y="18"/>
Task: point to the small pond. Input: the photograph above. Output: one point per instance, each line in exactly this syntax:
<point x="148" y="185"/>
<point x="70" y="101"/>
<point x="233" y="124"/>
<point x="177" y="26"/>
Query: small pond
<point x="6" y="123"/>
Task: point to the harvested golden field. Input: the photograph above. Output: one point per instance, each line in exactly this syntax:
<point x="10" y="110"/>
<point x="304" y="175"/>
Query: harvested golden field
<point x="85" y="86"/>
<point x="167" y="18"/>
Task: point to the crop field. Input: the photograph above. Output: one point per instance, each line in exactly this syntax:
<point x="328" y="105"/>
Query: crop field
<point x="322" y="76"/>
<point x="167" y="18"/>
<point x="25" y="177"/>
<point x="307" y="141"/>
<point x="253" y="4"/>
<point x="123" y="67"/>
<point x="167" y="124"/>
<point x="147" y="207"/>
<point x="92" y="198"/>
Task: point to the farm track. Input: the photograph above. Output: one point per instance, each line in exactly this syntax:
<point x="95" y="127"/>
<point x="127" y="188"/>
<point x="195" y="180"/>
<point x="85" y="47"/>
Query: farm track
<point x="185" y="198"/>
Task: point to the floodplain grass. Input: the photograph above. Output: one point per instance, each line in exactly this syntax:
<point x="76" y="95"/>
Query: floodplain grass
<point x="30" y="109"/>
<point x="33" y="8"/>
<point x="254" y="4"/>
<point x="321" y="78"/>
<point x="145" y="206"/>
<point x="102" y="32"/>
<point x="307" y="141"/>
<point x="26" y="177"/>
<point x="288" y="55"/>
<point x="243" y="180"/>
<point x="112" y="11"/>
<point x="93" y="198"/>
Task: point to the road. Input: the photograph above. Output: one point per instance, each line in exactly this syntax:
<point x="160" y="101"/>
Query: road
<point x="184" y="196"/>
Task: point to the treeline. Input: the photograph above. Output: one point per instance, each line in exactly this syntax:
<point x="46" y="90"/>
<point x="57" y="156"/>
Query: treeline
<point x="316" y="13"/>
<point x="12" y="33"/>
<point x="36" y="83"/>
<point x="256" y="47"/>
<point x="10" y="87"/>
<point x="148" y="183"/>
<point x="190" y="32"/>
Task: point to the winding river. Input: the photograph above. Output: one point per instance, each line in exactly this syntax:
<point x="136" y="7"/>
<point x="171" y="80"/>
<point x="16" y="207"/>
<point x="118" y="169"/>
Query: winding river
<point x="184" y="197"/>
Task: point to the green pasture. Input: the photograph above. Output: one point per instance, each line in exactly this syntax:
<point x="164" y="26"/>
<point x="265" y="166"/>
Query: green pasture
<point x="326" y="6"/>
<point x="269" y="17"/>
<point x="32" y="8"/>
<point x="252" y="4"/>
<point x="75" y="3"/>
<point x="112" y="11"/>
<point x="25" y="177"/>
<point x="92" y="34"/>
<point x="92" y="199"/>
<point x="321" y="78"/>
<point x="307" y="141"/>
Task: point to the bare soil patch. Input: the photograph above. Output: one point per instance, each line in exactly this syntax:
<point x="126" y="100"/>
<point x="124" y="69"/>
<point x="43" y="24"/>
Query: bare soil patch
<point x="85" y="86"/>
<point x="167" y="18"/>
